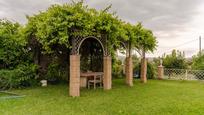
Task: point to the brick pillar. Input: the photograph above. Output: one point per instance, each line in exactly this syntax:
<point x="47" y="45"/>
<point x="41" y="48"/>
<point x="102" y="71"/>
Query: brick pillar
<point x="129" y="71"/>
<point x="160" y="72"/>
<point x="143" y="75"/>
<point x="74" y="83"/>
<point x="107" y="69"/>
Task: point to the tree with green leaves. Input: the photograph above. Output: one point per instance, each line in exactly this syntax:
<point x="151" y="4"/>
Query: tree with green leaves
<point x="145" y="41"/>
<point x="16" y="68"/>
<point x="13" y="49"/>
<point x="175" y="60"/>
<point x="60" y="23"/>
<point x="198" y="61"/>
<point x="198" y="64"/>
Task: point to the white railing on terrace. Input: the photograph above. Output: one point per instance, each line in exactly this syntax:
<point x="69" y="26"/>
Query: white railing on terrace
<point x="183" y="74"/>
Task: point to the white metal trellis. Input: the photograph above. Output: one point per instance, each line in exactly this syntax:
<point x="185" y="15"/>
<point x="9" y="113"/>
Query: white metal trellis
<point x="183" y="74"/>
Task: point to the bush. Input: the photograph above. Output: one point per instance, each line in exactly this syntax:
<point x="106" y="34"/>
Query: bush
<point x="22" y="76"/>
<point x="151" y="70"/>
<point x="198" y="61"/>
<point x="198" y="64"/>
<point x="56" y="73"/>
<point x="117" y="69"/>
<point x="13" y="50"/>
<point x="175" y="60"/>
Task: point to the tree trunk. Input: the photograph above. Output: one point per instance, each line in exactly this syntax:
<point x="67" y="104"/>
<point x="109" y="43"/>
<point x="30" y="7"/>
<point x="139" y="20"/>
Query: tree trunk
<point x="37" y="55"/>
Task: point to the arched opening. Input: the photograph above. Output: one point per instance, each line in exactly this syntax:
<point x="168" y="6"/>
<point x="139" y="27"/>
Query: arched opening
<point x="123" y="64"/>
<point x="91" y="59"/>
<point x="89" y="55"/>
<point x="118" y="68"/>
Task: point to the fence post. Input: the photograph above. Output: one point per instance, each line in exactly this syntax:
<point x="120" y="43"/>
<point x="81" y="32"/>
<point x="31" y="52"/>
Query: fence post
<point x="160" y="72"/>
<point x="186" y="74"/>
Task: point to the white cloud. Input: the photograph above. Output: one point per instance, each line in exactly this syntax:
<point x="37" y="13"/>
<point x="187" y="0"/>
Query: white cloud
<point x="173" y="21"/>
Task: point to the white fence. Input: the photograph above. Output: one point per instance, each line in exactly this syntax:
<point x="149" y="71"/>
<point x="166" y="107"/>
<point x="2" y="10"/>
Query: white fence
<point x="183" y="74"/>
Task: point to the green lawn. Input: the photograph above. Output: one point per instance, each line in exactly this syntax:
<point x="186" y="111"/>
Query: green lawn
<point x="3" y="94"/>
<point x="155" y="97"/>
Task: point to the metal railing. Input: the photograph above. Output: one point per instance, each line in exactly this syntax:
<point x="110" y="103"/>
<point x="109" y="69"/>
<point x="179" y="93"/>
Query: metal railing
<point x="183" y="74"/>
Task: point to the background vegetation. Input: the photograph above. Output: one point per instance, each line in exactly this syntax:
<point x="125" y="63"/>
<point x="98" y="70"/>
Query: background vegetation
<point x="198" y="61"/>
<point x="175" y="60"/>
<point x="40" y="49"/>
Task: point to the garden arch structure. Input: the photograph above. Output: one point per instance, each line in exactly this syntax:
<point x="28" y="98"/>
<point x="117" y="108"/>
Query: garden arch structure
<point x="74" y="83"/>
<point x="91" y="37"/>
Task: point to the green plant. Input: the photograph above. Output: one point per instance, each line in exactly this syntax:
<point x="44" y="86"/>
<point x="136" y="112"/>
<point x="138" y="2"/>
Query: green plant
<point x="151" y="70"/>
<point x="23" y="75"/>
<point x="198" y="61"/>
<point x="198" y="64"/>
<point x="117" y="68"/>
<point x="52" y="71"/>
<point x="55" y="72"/>
<point x="60" y="23"/>
<point x="175" y="60"/>
<point x="12" y="45"/>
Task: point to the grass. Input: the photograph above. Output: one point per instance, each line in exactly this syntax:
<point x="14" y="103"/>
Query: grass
<point x="155" y="97"/>
<point x="3" y="94"/>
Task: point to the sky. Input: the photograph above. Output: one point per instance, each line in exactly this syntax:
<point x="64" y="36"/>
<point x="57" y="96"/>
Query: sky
<point x="177" y="24"/>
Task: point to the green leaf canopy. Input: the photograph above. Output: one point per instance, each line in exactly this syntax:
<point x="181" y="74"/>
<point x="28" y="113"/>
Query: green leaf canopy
<point x="60" y="23"/>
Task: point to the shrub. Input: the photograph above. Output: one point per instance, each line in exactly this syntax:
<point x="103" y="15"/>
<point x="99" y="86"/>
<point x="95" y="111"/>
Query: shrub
<point x="13" y="50"/>
<point x="117" y="69"/>
<point x="23" y="75"/>
<point x="151" y="70"/>
<point x="198" y="61"/>
<point x="175" y="60"/>
<point x="198" y="64"/>
<point x="56" y="73"/>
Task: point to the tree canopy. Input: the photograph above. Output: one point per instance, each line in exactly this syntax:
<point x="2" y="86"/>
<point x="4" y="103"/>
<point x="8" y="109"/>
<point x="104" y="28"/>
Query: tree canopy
<point x="12" y="44"/>
<point x="144" y="40"/>
<point x="198" y="61"/>
<point x="61" y="22"/>
<point x="175" y="60"/>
